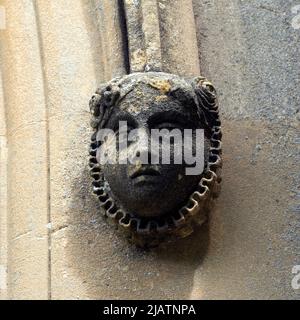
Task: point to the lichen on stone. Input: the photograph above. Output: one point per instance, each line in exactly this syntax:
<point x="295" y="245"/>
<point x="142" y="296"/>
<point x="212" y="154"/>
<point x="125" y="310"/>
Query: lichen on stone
<point x="163" y="86"/>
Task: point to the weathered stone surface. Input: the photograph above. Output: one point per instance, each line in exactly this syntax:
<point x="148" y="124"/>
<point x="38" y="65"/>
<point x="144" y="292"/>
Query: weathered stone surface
<point x="156" y="39"/>
<point x="131" y="194"/>
<point x="70" y="75"/>
<point x="178" y="37"/>
<point x="52" y="64"/>
<point x="250" y="50"/>
<point x="27" y="187"/>
<point x="3" y="197"/>
<point x="106" y="29"/>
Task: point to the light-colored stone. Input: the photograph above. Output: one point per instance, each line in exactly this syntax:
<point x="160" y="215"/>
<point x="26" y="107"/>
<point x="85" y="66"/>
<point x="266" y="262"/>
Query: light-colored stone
<point x="255" y="230"/>
<point x="3" y="197"/>
<point x="178" y="37"/>
<point x="106" y="32"/>
<point x="67" y="31"/>
<point x="27" y="187"/>
<point x="53" y="56"/>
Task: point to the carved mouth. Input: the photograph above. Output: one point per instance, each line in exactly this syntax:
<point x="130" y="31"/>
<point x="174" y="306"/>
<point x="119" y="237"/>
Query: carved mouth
<point x="146" y="171"/>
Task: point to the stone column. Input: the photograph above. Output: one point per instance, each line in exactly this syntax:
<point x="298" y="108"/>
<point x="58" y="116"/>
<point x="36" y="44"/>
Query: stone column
<point x="28" y="157"/>
<point x="162" y="36"/>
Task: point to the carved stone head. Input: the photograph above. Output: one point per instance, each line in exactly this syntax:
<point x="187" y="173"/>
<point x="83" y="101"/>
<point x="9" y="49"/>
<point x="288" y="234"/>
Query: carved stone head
<point x="142" y="184"/>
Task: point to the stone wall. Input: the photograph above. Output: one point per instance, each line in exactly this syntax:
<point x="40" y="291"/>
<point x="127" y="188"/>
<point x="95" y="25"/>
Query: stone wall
<point x="54" y="243"/>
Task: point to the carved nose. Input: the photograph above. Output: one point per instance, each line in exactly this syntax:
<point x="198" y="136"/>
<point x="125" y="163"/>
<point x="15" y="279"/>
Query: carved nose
<point x="141" y="146"/>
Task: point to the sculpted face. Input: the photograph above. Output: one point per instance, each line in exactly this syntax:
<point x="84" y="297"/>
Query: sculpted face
<point x="144" y="185"/>
<point x="145" y="189"/>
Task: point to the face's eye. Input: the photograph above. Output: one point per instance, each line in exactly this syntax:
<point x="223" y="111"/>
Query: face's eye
<point x="171" y="119"/>
<point x="168" y="125"/>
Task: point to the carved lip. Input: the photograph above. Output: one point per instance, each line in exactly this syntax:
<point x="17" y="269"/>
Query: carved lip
<point x="145" y="171"/>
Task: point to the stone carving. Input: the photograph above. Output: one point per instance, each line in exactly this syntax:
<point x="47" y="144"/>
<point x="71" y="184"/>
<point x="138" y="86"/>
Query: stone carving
<point x="155" y="202"/>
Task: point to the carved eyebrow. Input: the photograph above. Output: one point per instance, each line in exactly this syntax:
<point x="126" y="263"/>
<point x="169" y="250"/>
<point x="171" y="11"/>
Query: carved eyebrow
<point x="169" y="117"/>
<point x="122" y="116"/>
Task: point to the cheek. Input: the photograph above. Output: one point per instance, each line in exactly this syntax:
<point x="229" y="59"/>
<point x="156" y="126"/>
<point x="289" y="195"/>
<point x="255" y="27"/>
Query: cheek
<point x="118" y="179"/>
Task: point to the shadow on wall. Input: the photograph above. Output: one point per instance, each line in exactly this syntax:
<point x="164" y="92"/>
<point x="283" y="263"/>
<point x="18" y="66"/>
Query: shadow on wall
<point x="111" y="268"/>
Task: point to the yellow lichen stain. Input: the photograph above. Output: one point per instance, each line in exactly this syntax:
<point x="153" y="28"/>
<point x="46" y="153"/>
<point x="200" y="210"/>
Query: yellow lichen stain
<point x="203" y="82"/>
<point x="161" y="98"/>
<point x="139" y="93"/>
<point x="163" y="86"/>
<point x="138" y="164"/>
<point x="138" y="59"/>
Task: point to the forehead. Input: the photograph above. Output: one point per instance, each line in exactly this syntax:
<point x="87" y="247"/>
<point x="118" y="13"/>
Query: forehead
<point x="146" y="103"/>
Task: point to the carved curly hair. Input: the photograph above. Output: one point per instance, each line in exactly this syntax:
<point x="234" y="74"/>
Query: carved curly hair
<point x="198" y="93"/>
